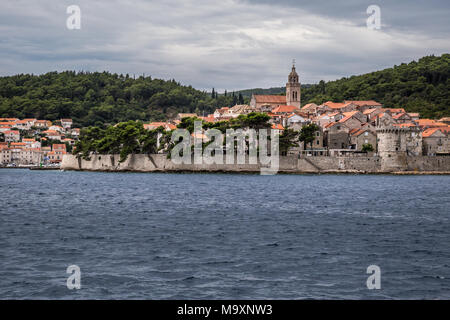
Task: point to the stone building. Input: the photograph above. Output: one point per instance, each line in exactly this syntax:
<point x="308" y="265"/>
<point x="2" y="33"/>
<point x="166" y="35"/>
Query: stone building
<point x="336" y="136"/>
<point x="435" y="142"/>
<point x="5" y="156"/>
<point x="310" y="108"/>
<point x="395" y="144"/>
<point x="265" y="103"/>
<point x="360" y="137"/>
<point x="293" y="90"/>
<point x="365" y="104"/>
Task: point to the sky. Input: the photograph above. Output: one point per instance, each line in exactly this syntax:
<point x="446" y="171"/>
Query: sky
<point x="227" y="44"/>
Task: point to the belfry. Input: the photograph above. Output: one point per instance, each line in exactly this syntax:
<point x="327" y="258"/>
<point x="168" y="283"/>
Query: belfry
<point x="293" y="92"/>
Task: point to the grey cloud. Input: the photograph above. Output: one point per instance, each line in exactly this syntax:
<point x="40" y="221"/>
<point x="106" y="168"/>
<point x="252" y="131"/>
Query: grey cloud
<point x="227" y="44"/>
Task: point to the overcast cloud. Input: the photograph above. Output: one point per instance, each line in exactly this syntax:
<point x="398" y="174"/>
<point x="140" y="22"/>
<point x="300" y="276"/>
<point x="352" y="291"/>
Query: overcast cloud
<point x="228" y="44"/>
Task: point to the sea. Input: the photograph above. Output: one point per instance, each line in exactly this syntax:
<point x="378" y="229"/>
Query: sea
<point x="223" y="236"/>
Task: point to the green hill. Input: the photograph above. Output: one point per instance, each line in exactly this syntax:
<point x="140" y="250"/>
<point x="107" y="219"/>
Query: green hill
<point x="247" y="93"/>
<point x="100" y="98"/>
<point x="419" y="86"/>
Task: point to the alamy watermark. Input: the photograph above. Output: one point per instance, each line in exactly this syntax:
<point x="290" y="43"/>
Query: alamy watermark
<point x="374" y="19"/>
<point x="73" y="22"/>
<point x="239" y="146"/>
<point x="74" y="280"/>
<point x="374" y="280"/>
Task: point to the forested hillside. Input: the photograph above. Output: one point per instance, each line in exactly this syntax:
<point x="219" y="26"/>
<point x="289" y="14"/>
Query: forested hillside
<point x="101" y="98"/>
<point x="105" y="98"/>
<point x="422" y="86"/>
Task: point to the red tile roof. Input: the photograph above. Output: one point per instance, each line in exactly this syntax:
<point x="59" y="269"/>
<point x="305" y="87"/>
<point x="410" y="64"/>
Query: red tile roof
<point x="429" y="132"/>
<point x="361" y="103"/>
<point x="262" y="98"/>
<point x="284" y="109"/>
<point x="277" y="126"/>
<point x="337" y="105"/>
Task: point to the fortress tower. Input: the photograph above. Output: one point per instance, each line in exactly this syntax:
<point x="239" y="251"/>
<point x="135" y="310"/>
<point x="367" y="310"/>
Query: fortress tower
<point x="293" y="92"/>
<point x="395" y="144"/>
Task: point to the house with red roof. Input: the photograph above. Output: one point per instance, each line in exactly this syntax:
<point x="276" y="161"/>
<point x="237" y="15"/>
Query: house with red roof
<point x="435" y="141"/>
<point x="264" y="102"/>
<point x="284" y="110"/>
<point x="363" y="105"/>
<point x="360" y="137"/>
<point x="12" y="135"/>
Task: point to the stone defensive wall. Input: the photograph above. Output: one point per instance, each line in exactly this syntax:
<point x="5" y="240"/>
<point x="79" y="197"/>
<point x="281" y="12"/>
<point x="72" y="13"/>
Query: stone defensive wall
<point x="287" y="164"/>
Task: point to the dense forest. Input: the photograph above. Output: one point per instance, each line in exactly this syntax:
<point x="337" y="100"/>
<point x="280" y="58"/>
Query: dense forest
<point x="105" y="98"/>
<point x="247" y="93"/>
<point x="422" y="86"/>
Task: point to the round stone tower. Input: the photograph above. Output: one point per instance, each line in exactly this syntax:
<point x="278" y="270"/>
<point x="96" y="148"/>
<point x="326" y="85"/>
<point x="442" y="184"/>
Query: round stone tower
<point x="395" y="144"/>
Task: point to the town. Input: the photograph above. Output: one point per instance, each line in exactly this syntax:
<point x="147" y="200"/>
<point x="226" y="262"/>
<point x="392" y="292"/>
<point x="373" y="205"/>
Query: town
<point x="347" y="128"/>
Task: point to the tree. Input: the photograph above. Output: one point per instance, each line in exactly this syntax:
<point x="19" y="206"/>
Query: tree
<point x="367" y="147"/>
<point x="240" y="99"/>
<point x="308" y="134"/>
<point x="287" y="140"/>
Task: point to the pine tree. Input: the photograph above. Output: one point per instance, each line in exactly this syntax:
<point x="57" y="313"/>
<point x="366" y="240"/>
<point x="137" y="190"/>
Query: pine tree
<point x="241" y="99"/>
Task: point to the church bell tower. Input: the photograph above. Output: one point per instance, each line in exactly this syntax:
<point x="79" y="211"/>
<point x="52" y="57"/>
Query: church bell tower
<point x="293" y="93"/>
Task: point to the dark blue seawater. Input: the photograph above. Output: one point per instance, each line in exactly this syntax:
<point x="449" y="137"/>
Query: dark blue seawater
<point x="223" y="236"/>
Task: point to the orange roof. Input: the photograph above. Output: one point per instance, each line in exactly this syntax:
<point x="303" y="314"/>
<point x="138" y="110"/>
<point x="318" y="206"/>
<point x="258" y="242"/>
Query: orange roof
<point x="361" y="103"/>
<point x="284" y="109"/>
<point x="208" y="118"/>
<point x="12" y="132"/>
<point x="59" y="146"/>
<point x="337" y="105"/>
<point x="330" y="124"/>
<point x="369" y="111"/>
<point x="306" y="106"/>
<point x="28" y="140"/>
<point x="154" y="125"/>
<point x="395" y="110"/>
<point x="430" y="131"/>
<point x="399" y="115"/>
<point x="348" y="116"/>
<point x="199" y="135"/>
<point x="430" y="123"/>
<point x="277" y="126"/>
<point x="8" y="119"/>
<point x="263" y="98"/>
<point x="357" y="132"/>
<point x="51" y="132"/>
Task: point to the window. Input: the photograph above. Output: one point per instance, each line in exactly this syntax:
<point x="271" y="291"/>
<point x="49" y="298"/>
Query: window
<point x="366" y="133"/>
